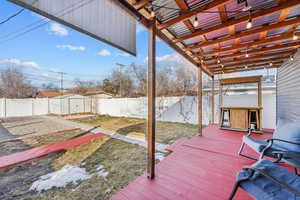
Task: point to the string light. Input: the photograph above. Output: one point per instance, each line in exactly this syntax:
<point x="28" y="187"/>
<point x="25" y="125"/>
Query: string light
<point x="152" y="14"/>
<point x="249" y="23"/>
<point x="196" y="23"/>
<point x="247" y="7"/>
<point x="295" y="37"/>
<point x="271" y="64"/>
<point x="291" y="58"/>
<point x="218" y="61"/>
<point x="222" y="65"/>
<point x="246" y="67"/>
<point x="247" y="55"/>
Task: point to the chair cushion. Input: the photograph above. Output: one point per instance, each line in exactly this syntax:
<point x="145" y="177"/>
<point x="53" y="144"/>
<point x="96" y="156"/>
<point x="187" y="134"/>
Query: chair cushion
<point x="262" y="188"/>
<point x="290" y="131"/>
<point x="258" y="145"/>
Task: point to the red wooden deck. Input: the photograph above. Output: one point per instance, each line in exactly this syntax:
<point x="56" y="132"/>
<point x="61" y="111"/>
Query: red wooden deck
<point x="198" y="168"/>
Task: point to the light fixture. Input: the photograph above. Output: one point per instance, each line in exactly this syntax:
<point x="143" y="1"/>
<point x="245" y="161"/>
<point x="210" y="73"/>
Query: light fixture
<point x="291" y="58"/>
<point x="222" y="65"/>
<point x="271" y="64"/>
<point x="152" y="14"/>
<point x="247" y="55"/>
<point x="219" y="61"/>
<point x="295" y="37"/>
<point x="249" y="23"/>
<point x="246" y="67"/>
<point x="247" y="7"/>
<point x="196" y="23"/>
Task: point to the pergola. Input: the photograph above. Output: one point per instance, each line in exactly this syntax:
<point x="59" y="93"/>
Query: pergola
<point x="217" y="36"/>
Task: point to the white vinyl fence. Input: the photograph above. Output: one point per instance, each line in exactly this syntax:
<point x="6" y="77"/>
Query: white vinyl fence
<point x="184" y="109"/>
<point x="43" y="106"/>
<point x="172" y="109"/>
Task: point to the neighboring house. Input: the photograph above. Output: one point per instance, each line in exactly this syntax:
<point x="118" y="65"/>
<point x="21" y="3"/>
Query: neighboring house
<point x="46" y="94"/>
<point x="98" y="94"/>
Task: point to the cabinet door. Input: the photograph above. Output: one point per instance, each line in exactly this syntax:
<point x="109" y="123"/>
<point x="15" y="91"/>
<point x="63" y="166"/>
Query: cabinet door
<point x="239" y="118"/>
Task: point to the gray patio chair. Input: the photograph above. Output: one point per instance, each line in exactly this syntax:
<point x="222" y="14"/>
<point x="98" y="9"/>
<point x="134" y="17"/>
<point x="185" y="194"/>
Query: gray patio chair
<point x="285" y="138"/>
<point x="266" y="180"/>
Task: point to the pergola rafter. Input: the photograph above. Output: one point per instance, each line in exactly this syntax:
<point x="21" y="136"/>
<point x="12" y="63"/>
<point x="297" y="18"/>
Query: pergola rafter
<point x="233" y="22"/>
<point x="278" y="25"/>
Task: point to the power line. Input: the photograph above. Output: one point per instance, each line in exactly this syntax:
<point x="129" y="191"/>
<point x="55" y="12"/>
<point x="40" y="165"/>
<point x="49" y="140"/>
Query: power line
<point x="60" y="14"/>
<point x="12" y="16"/>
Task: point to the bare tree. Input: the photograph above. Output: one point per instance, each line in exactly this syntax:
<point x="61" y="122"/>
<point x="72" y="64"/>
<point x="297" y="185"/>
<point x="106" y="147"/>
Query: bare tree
<point x="14" y="84"/>
<point x="82" y="87"/>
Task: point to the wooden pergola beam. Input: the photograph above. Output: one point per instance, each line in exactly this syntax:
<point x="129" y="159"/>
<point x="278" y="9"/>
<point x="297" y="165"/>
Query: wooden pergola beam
<point x="250" y="62"/>
<point x="247" y="33"/>
<point x="141" y="4"/>
<point x="232" y="22"/>
<point x="283" y="36"/>
<point x="256" y="51"/>
<point x="243" y="70"/>
<point x="191" y="13"/>
<point x="254" y="57"/>
<point x="248" y="67"/>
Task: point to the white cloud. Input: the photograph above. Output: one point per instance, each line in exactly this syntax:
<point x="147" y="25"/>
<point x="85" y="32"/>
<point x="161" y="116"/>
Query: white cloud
<point x="58" y="29"/>
<point x="71" y="47"/>
<point x="173" y="60"/>
<point x="55" y="70"/>
<point x="104" y="52"/>
<point x="27" y="64"/>
<point x="124" y="54"/>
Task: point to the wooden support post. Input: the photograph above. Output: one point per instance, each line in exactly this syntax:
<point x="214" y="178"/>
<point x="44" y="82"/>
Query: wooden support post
<point x="259" y="104"/>
<point x="151" y="100"/>
<point x="200" y="100"/>
<point x="212" y="100"/>
<point x="220" y="103"/>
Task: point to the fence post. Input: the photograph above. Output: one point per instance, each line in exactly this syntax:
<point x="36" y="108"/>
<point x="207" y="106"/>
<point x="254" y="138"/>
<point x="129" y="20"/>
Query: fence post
<point x="48" y="100"/>
<point x="32" y="107"/>
<point x="5" y="109"/>
<point x="69" y="106"/>
<point x="83" y="105"/>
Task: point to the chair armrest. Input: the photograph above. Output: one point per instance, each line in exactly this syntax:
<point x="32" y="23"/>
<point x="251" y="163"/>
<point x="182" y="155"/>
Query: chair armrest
<point x="288" y="154"/>
<point x="275" y="180"/>
<point x="274" y="139"/>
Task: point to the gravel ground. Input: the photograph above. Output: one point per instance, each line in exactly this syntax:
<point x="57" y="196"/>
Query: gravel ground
<point x="21" y="126"/>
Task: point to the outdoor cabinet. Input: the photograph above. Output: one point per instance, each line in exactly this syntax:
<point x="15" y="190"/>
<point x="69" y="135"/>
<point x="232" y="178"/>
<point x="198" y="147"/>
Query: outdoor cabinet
<point x="240" y="118"/>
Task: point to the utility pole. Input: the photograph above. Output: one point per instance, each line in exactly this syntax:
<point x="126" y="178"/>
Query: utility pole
<point x="61" y="81"/>
<point x="120" y="70"/>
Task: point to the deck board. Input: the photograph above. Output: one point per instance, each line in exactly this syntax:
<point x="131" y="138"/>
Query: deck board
<point x="198" y="168"/>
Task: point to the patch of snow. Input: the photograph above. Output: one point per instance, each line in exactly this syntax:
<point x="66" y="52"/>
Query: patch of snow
<point x="101" y="172"/>
<point x="159" y="156"/>
<point x="67" y="174"/>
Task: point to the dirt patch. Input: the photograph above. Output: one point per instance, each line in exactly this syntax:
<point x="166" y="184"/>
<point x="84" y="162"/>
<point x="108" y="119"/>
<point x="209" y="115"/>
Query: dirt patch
<point x="123" y="161"/>
<point x="167" y="132"/>
<point x="23" y="126"/>
<point x="109" y="122"/>
<point x="15" y="183"/>
<point x="54" y="137"/>
<point x="8" y="148"/>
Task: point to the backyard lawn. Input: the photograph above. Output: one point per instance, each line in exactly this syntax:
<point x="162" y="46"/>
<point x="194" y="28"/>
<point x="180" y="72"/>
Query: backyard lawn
<point x="122" y="162"/>
<point x="167" y="132"/>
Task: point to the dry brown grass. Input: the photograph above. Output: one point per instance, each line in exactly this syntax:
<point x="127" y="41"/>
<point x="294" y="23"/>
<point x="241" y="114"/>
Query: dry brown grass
<point x="78" y="154"/>
<point x="166" y="133"/>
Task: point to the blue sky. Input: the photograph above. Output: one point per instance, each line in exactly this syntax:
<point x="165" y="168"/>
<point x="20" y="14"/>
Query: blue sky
<point x="54" y="46"/>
